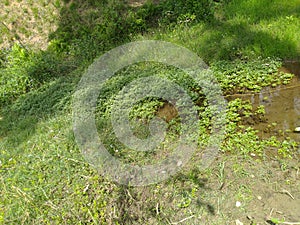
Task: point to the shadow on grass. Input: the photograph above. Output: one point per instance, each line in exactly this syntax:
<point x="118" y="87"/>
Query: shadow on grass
<point x="261" y="10"/>
<point x="163" y="202"/>
<point x="19" y="119"/>
<point x="241" y="29"/>
<point x="89" y="28"/>
<point x="262" y="28"/>
<point x="224" y="41"/>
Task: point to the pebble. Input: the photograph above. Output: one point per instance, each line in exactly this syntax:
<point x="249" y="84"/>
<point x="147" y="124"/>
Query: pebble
<point x="179" y="163"/>
<point x="249" y="217"/>
<point x="237" y="222"/>
<point x="297" y="129"/>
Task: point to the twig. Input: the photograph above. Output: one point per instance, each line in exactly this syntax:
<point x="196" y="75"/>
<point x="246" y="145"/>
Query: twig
<point x="23" y="194"/>
<point x="157" y="209"/>
<point x="271" y="212"/>
<point x="128" y="193"/>
<point x="288" y="193"/>
<point x="190" y="217"/>
<point x="269" y="218"/>
<point x="291" y="223"/>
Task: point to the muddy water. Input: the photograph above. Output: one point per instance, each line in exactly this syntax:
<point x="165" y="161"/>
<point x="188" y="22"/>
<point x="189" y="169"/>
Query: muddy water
<point x="282" y="106"/>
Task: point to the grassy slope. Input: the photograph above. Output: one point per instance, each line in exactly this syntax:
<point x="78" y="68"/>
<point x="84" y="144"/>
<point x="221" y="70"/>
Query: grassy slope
<point x="45" y="180"/>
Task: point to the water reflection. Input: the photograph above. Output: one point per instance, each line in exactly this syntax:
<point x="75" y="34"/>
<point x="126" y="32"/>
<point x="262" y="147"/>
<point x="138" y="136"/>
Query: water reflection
<point x="282" y="106"/>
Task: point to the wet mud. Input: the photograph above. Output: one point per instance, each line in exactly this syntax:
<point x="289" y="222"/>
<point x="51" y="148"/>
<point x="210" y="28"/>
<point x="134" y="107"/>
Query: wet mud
<point x="282" y="106"/>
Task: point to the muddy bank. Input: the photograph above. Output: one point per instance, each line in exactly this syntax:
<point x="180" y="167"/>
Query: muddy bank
<point x="282" y="106"/>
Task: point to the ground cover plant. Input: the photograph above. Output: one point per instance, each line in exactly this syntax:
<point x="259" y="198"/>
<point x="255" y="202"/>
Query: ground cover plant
<point x="44" y="179"/>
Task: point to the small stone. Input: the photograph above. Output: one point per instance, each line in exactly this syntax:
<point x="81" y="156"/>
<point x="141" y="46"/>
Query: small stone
<point x="179" y="163"/>
<point x="249" y="217"/>
<point x="297" y="129"/>
<point x="237" y="222"/>
<point x="238" y="204"/>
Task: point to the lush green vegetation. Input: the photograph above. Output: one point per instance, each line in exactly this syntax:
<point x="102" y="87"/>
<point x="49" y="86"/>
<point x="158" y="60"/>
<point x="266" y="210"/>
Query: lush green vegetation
<point x="45" y="179"/>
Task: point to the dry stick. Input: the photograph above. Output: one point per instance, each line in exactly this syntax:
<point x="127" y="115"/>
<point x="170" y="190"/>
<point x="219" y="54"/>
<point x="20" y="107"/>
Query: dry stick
<point x="291" y="223"/>
<point x="181" y="221"/>
<point x="288" y="193"/>
<point x="287" y="223"/>
<point x="271" y="212"/>
<point x="157" y="209"/>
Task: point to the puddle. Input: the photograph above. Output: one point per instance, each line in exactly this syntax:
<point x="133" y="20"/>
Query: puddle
<point x="282" y="106"/>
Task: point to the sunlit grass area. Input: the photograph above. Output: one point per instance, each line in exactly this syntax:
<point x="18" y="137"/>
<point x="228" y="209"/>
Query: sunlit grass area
<point x="242" y="29"/>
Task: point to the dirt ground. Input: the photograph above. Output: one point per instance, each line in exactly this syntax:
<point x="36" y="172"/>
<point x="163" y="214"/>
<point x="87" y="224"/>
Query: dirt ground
<point x="248" y="192"/>
<point x="28" y="23"/>
<point x="269" y="190"/>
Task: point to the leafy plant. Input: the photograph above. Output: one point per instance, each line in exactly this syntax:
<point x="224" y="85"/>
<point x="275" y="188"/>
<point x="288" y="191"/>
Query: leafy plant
<point x="251" y="75"/>
<point x="24" y="70"/>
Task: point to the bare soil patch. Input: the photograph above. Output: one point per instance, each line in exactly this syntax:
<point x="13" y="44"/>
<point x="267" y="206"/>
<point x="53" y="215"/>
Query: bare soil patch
<point x="28" y="22"/>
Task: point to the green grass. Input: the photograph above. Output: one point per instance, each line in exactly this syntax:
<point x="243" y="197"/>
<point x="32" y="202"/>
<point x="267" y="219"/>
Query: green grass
<point x="243" y="29"/>
<point x="45" y="178"/>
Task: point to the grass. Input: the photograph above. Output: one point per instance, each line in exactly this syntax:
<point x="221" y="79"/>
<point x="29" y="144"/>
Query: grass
<point x="235" y="34"/>
<point x="45" y="178"/>
<point x="41" y="19"/>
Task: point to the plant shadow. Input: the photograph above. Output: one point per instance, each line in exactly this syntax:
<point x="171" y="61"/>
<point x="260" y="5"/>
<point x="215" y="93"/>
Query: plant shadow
<point x="19" y="120"/>
<point x="135" y="205"/>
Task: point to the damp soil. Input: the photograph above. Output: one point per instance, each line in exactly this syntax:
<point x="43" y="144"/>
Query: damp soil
<point x="266" y="189"/>
<point x="282" y="106"/>
<point x="274" y="185"/>
<point x="281" y="103"/>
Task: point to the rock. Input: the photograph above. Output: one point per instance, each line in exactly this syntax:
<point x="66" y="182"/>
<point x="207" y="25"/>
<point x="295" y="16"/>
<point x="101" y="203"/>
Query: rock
<point x="237" y="222"/>
<point x="297" y="129"/>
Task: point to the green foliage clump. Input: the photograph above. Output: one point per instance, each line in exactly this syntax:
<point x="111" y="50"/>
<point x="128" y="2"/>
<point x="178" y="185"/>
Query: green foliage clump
<point x="14" y="79"/>
<point x="90" y="28"/>
<point x="249" y="75"/>
<point x="180" y="11"/>
<point x="23" y="70"/>
<point x="240" y="139"/>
